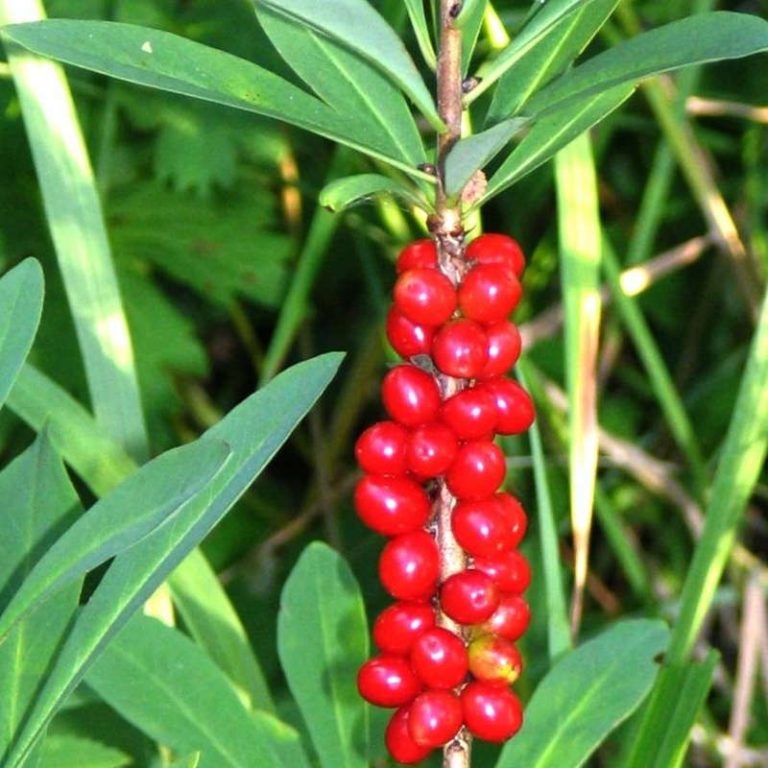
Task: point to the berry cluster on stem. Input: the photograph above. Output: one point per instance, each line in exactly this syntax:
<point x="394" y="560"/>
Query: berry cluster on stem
<point x="431" y="484"/>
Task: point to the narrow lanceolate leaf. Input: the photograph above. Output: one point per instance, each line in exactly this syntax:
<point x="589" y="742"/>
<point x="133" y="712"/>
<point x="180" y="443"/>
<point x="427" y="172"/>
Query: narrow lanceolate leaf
<point x="470" y="31"/>
<point x="65" y="751"/>
<point x="322" y="640"/>
<point x="586" y="695"/>
<point x="578" y="216"/>
<point x="254" y="431"/>
<point x="21" y="303"/>
<point x="76" y="221"/>
<point x="678" y="695"/>
<point x="353" y="190"/>
<point x="359" y="26"/>
<point x="548" y="58"/>
<point x="38" y="500"/>
<point x="369" y="101"/>
<point x="698" y="39"/>
<point x="550" y="14"/>
<point x="551" y="134"/>
<point x="212" y="621"/>
<point x="418" y="19"/>
<point x="157" y="59"/>
<point x="184" y="700"/>
<point x="471" y="154"/>
<point x="148" y="499"/>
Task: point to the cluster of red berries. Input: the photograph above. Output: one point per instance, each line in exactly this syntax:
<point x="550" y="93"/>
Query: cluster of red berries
<point x="446" y="404"/>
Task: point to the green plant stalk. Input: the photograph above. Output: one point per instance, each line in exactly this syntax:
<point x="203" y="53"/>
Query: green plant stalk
<point x="558" y="633"/>
<point x="658" y="374"/>
<point x="580" y="245"/>
<point x="79" y="236"/>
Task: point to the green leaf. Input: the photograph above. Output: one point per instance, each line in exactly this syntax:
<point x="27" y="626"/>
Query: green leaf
<point x="564" y="41"/>
<point x="418" y="18"/>
<point x="469" y="155"/>
<point x="539" y="25"/>
<point x="697" y="39"/>
<point x="183" y="699"/>
<point x="211" y="620"/>
<point x="586" y="695"/>
<point x="353" y="190"/>
<point x="76" y="222"/>
<point x="147" y="500"/>
<point x="551" y="134"/>
<point x="72" y="430"/>
<point x="322" y="640"/>
<point x="350" y="84"/>
<point x="357" y="25"/>
<point x="254" y="431"/>
<point x="190" y="761"/>
<point x="63" y="751"/>
<point x="21" y="304"/>
<point x="469" y="9"/>
<point x="471" y="24"/>
<point x="678" y="695"/>
<point x="38" y="500"/>
<point x="157" y="59"/>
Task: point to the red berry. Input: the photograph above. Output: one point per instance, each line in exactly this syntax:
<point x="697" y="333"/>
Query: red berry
<point x="420" y="254"/>
<point x="410" y="566"/>
<point x="477" y="471"/>
<point x="387" y="681"/>
<point x="510" y="619"/>
<point x="391" y="505"/>
<point x="514" y="515"/>
<point x="471" y="413"/>
<point x="431" y="450"/>
<point x="488" y="293"/>
<point x="434" y="718"/>
<point x="439" y="659"/>
<point x="494" y="659"/>
<point x="514" y="407"/>
<point x="510" y="571"/>
<point x="504" y="346"/>
<point x="408" y="339"/>
<point x="497" y="249"/>
<point x="398" y="626"/>
<point x="469" y="597"/>
<point x="399" y="742"/>
<point x="491" y="712"/>
<point x="410" y="395"/>
<point x="480" y="527"/>
<point x="425" y="296"/>
<point x="382" y="449"/>
<point x="460" y="349"/>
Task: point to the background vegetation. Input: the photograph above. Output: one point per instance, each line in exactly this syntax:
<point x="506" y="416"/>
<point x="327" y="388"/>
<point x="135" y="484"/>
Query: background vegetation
<point x="230" y="270"/>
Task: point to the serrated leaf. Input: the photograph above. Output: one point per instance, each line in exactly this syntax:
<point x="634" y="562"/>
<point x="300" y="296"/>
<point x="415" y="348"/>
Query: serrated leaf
<point x="473" y="153"/>
<point x="586" y="695"/>
<point x="157" y="59"/>
<point x="418" y="19"/>
<point x="551" y="134"/>
<point x="191" y="241"/>
<point x="349" y="84"/>
<point x="21" y="304"/>
<point x="254" y="431"/>
<point x="147" y="500"/>
<point x="698" y="39"/>
<point x="357" y="25"/>
<point x="678" y="695"/>
<point x="183" y="699"/>
<point x="545" y="19"/>
<point x="60" y="751"/>
<point x="548" y="58"/>
<point x="38" y="500"/>
<point x="353" y="190"/>
<point x="322" y="640"/>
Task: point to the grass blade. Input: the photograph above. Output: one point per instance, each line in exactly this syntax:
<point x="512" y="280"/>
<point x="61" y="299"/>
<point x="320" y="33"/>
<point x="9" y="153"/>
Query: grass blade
<point x="76" y="221"/>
